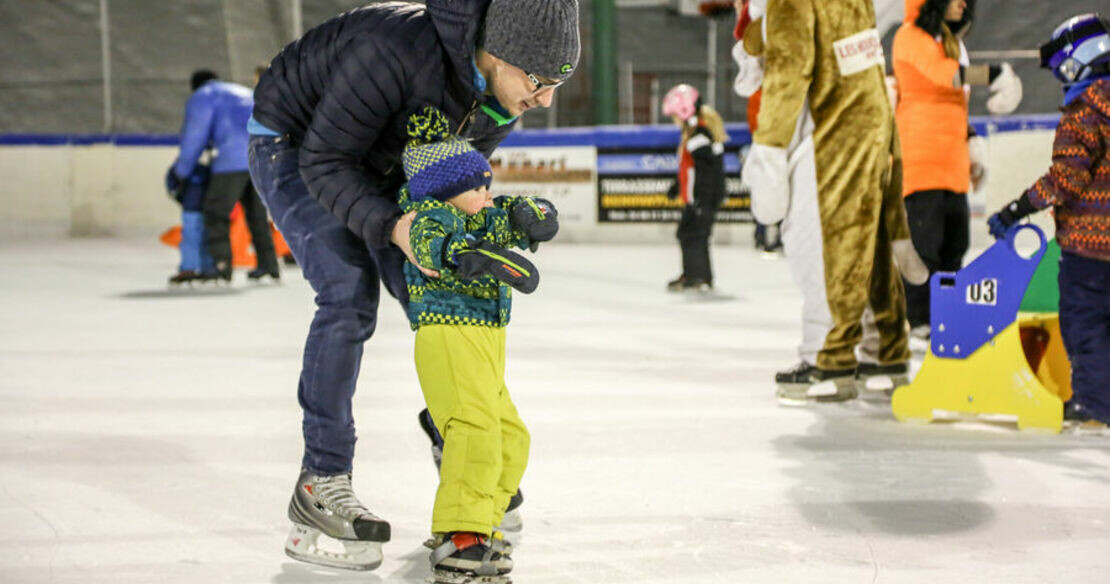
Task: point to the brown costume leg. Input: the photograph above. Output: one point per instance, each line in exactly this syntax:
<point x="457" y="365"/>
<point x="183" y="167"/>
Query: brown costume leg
<point x="851" y="196"/>
<point x="887" y="297"/>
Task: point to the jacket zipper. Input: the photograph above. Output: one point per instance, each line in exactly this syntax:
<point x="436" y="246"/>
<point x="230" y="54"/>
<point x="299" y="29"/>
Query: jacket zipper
<point x="467" y="118"/>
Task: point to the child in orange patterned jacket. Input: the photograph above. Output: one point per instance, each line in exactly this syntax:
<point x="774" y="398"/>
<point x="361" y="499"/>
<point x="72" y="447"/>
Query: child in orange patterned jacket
<point x="1078" y="187"/>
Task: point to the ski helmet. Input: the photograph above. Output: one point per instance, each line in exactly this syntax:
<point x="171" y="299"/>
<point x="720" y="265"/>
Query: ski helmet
<point x="682" y="101"/>
<point x="1079" y="48"/>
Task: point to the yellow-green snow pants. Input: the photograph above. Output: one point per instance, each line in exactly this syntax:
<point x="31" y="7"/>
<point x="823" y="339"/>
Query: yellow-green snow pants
<point x="485" y="444"/>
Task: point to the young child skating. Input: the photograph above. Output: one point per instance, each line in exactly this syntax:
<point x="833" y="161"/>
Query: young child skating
<point x="1077" y="186"/>
<point x="462" y="232"/>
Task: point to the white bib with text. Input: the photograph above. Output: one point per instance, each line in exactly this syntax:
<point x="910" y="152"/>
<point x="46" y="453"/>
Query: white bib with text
<point x="859" y="52"/>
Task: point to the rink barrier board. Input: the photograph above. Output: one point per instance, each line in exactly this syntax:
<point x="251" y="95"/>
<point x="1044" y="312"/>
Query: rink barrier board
<point x="111" y="184"/>
<point x="602" y="137"/>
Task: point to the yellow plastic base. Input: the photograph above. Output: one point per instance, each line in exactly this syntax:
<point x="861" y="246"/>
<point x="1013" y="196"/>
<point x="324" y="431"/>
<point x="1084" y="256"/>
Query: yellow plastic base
<point x="995" y="379"/>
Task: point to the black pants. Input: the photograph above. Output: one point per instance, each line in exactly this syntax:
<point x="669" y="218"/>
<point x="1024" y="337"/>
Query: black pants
<point x="224" y="190"/>
<point x="694" y="229"/>
<point x="939" y="227"/>
<point x="1085" y="326"/>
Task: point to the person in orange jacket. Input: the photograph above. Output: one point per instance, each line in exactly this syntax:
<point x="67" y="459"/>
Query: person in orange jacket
<point x="933" y="76"/>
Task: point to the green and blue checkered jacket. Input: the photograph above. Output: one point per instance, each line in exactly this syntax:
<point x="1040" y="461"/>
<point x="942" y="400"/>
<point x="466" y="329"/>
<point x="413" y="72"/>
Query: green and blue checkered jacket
<point x="438" y="232"/>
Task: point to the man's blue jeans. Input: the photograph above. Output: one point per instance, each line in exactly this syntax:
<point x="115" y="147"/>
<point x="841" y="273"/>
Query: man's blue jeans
<point x="346" y="276"/>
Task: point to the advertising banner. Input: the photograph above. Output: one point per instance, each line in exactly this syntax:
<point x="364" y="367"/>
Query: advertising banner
<point x="564" y="175"/>
<point x="633" y="183"/>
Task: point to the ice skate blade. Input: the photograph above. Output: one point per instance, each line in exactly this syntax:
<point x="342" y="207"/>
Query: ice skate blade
<point x="801" y="394"/>
<point x="883" y="383"/>
<point x="1089" y="428"/>
<point x="449" y="577"/>
<point x="301" y="545"/>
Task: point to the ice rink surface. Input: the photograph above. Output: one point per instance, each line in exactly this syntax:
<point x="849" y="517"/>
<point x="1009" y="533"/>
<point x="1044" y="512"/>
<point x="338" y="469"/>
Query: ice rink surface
<point x="154" y="437"/>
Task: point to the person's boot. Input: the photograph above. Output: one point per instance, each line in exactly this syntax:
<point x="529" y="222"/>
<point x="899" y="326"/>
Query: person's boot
<point x="465" y="557"/>
<point x="257" y="274"/>
<point x="184" y="277"/>
<point x="821" y="385"/>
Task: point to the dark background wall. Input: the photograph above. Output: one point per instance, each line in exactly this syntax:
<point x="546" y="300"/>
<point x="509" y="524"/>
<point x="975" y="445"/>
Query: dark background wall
<point x="51" y="70"/>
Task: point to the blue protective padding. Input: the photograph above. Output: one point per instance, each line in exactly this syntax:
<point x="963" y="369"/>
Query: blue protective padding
<point x="986" y="125"/>
<point x="971" y="306"/>
<point x="651" y="164"/>
<point x="617" y="137"/>
<point x="603" y="137"/>
<point x="88" y="139"/>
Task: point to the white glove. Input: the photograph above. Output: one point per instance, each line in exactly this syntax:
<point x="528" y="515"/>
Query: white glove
<point x="750" y="76"/>
<point x="908" y="262"/>
<point x="757" y="8"/>
<point x="977" y="149"/>
<point x="766" y="173"/>
<point x="1005" y="92"/>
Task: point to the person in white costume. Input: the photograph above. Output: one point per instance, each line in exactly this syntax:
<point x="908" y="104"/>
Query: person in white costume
<point x="802" y="236"/>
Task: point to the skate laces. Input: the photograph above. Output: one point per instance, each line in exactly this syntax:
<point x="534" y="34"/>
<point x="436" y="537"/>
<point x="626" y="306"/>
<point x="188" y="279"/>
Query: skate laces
<point x="801" y="367"/>
<point x="336" y="493"/>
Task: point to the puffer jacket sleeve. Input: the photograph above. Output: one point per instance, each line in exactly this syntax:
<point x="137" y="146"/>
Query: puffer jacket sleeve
<point x="196" y="132"/>
<point x="366" y="89"/>
<point x="435" y="241"/>
<point x="497" y="225"/>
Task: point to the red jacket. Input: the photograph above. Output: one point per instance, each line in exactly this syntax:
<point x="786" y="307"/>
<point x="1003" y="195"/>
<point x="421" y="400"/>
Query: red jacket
<point x="1078" y="183"/>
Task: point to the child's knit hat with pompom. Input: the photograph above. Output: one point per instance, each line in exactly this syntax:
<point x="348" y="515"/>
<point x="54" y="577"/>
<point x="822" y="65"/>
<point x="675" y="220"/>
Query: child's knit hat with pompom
<point x="437" y="164"/>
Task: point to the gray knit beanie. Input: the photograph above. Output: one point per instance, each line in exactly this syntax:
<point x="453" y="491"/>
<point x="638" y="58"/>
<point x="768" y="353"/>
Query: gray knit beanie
<point x="538" y="36"/>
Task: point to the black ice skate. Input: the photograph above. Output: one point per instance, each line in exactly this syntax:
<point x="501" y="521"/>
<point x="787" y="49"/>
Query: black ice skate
<point x="799" y="373"/>
<point x="257" y="274"/>
<point x="220" y="274"/>
<point x="184" y="277"/>
<point x="1080" y="421"/>
<point x="816" y="385"/>
<point x="468" y="558"/>
<point x="327" y="506"/>
<point x="684" y="284"/>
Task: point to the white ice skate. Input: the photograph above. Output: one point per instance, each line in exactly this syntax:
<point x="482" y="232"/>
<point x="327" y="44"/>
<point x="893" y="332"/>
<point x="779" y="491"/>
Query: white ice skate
<point x="326" y="506"/>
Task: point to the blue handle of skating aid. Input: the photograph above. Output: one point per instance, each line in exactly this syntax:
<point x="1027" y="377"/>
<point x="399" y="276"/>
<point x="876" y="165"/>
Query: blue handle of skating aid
<point x="969" y="307"/>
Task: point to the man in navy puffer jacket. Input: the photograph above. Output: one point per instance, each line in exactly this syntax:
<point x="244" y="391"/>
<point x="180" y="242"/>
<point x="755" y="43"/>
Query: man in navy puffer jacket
<point x="215" y="117"/>
<point x="327" y="134"/>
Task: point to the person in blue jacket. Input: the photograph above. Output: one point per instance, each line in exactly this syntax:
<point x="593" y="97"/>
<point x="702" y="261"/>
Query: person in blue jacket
<point x="327" y="135"/>
<point x="216" y="118"/>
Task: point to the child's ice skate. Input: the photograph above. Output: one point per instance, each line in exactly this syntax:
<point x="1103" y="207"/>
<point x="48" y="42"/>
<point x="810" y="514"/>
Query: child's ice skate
<point x="327" y="506"/>
<point x="183" y="277"/>
<point x="1079" y="421"/>
<point x="469" y="558"/>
